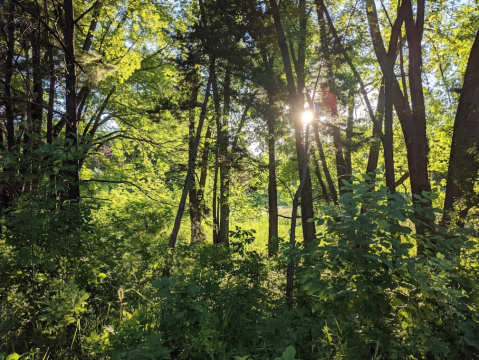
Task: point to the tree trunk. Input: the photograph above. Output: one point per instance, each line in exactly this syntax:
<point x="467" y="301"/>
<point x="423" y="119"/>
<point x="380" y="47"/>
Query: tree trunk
<point x="223" y="140"/>
<point x="195" y="214"/>
<point x="204" y="171"/>
<point x="71" y="132"/>
<point x="463" y="160"/>
<point x="348" y="143"/>
<point x="272" y="188"/>
<point x="388" y="126"/>
<point x="376" y="142"/>
<point x="413" y="120"/>
<point x="328" y="92"/>
<point x="51" y="95"/>
<point x="296" y="102"/>
<point x="191" y="167"/>
<point x="317" y="171"/>
<point x="8" y="76"/>
<point x="292" y="232"/>
<point x="416" y="136"/>
<point x="215" y="207"/>
<point x="324" y="164"/>
<point x="38" y="74"/>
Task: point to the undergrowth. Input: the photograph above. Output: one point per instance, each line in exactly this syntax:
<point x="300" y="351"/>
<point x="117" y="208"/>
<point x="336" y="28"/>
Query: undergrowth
<point x="362" y="291"/>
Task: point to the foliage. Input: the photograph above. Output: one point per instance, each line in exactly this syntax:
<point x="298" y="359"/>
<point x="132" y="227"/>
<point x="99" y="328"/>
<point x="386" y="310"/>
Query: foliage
<point x="389" y="275"/>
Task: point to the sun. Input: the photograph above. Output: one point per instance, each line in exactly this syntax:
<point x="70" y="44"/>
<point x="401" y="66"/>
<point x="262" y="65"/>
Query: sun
<point x="307" y="116"/>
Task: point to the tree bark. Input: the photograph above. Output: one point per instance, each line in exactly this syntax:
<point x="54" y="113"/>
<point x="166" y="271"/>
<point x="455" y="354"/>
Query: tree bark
<point x="195" y="214"/>
<point x="215" y="207"/>
<point x="328" y="92"/>
<point x="296" y="101"/>
<point x="292" y="232"/>
<point x="373" y="157"/>
<point x="324" y="164"/>
<point x="348" y="143"/>
<point x="51" y="95"/>
<point x="464" y="160"/>
<point x="71" y="134"/>
<point x="272" y="186"/>
<point x="413" y="120"/>
<point x="317" y="171"/>
<point x="10" y="38"/>
<point x="223" y="140"/>
<point x="191" y="165"/>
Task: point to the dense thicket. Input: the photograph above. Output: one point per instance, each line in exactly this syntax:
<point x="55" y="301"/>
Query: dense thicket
<point x="239" y="179"/>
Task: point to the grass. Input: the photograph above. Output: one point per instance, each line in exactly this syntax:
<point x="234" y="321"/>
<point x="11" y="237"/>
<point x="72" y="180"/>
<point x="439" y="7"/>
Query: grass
<point x="257" y="222"/>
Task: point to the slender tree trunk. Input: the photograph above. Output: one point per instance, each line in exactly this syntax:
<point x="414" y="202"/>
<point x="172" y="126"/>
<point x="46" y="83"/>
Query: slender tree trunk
<point x="329" y="101"/>
<point x="215" y="207"/>
<point x="204" y="168"/>
<point x="191" y="167"/>
<point x="272" y="186"/>
<point x="413" y="120"/>
<point x="349" y="133"/>
<point x="416" y="141"/>
<point x="223" y="140"/>
<point x="317" y="171"/>
<point x="195" y="214"/>
<point x="388" y="126"/>
<point x="9" y="188"/>
<point x="51" y="95"/>
<point x="292" y="232"/>
<point x="38" y="74"/>
<point x="296" y="101"/>
<point x="8" y="76"/>
<point x="463" y="160"/>
<point x="219" y="162"/>
<point x="376" y="143"/>
<point x="324" y="164"/>
<point x="71" y="132"/>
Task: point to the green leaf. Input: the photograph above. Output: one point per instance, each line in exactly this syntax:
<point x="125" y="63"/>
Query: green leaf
<point x="13" y="356"/>
<point x="165" y="281"/>
<point x="289" y="353"/>
<point x="411" y="268"/>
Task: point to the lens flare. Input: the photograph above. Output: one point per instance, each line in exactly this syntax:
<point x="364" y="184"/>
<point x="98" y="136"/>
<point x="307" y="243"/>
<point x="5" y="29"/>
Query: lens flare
<point x="307" y="116"/>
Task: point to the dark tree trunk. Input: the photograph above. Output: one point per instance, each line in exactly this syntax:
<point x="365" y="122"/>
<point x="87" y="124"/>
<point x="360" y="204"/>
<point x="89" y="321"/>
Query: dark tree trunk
<point x="348" y="143"/>
<point x="272" y="186"/>
<point x="191" y="166"/>
<point x="215" y="207"/>
<point x="317" y="171"/>
<point x="324" y="164"/>
<point x="373" y="157"/>
<point x="413" y="120"/>
<point x="292" y="232"/>
<point x="223" y="140"/>
<point x="51" y="95"/>
<point x="9" y="188"/>
<point x="416" y="139"/>
<point x="195" y="214"/>
<point x="8" y="76"/>
<point x="204" y="167"/>
<point x="38" y="74"/>
<point x="71" y="130"/>
<point x="296" y="101"/>
<point x="463" y="160"/>
<point x="388" y="126"/>
<point x="328" y="92"/>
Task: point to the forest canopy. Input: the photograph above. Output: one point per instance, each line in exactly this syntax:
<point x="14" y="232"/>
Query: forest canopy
<point x="254" y="179"/>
